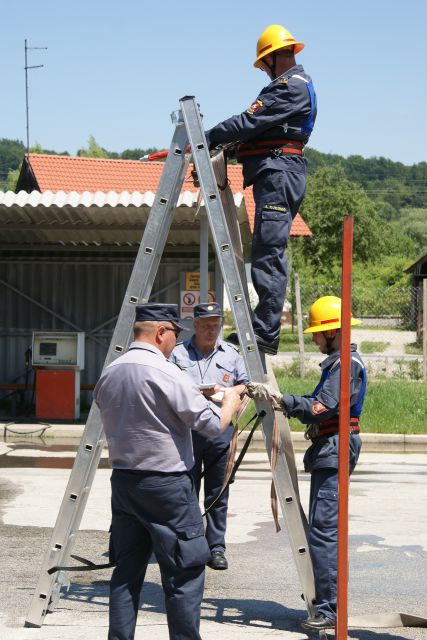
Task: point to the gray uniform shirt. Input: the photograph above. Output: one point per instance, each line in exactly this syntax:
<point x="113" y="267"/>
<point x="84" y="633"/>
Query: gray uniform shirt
<point x="148" y="407"/>
<point x="224" y="366"/>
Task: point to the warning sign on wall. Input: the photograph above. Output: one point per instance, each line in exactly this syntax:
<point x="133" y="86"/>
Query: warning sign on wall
<point x="189" y="299"/>
<point x="192" y="280"/>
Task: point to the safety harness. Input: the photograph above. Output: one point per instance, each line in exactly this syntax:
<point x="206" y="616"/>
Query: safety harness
<point x="277" y="147"/>
<point x="330" y="427"/>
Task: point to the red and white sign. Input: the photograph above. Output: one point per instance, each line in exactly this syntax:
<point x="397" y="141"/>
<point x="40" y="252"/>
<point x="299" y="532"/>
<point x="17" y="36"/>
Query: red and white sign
<point x="188" y="300"/>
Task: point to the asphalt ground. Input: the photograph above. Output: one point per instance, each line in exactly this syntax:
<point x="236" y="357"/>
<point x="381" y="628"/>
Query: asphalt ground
<point x="259" y="596"/>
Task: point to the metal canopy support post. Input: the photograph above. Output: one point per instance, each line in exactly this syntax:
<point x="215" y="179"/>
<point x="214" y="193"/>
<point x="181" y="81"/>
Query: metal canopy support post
<point x="424" y="330"/>
<point x="221" y="216"/>
<point x="204" y="257"/>
<point x="299" y="324"/>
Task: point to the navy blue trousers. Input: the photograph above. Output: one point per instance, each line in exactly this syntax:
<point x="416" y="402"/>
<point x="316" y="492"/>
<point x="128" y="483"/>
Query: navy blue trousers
<point x="323" y="521"/>
<point x="205" y="453"/>
<point x="285" y="191"/>
<point x="323" y="538"/>
<point x="153" y="512"/>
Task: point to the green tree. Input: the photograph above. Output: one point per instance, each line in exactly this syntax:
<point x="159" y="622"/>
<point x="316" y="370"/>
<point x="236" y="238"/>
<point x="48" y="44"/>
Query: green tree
<point x="37" y="148"/>
<point x="93" y="150"/>
<point x="12" y="179"/>
<point x="136" y="154"/>
<point x="330" y="195"/>
<point x="11" y="154"/>
<point x="413" y="224"/>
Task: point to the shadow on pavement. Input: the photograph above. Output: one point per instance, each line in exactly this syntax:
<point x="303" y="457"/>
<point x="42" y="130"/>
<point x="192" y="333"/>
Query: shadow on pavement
<point x="252" y="613"/>
<point x="228" y="611"/>
<point x="367" y="634"/>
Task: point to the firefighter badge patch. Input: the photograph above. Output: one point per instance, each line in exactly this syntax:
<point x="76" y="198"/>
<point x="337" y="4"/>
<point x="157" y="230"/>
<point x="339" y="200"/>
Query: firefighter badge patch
<point x="255" y="106"/>
<point x="317" y="407"/>
<point x="275" y="207"/>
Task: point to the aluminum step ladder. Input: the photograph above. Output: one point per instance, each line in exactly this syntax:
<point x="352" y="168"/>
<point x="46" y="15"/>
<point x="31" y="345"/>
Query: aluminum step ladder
<point x="221" y="215"/>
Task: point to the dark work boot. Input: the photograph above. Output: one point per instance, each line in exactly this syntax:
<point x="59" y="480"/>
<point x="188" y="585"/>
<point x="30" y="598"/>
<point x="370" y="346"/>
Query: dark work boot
<point x="263" y="345"/>
<point x="318" y="622"/>
<point x="218" y="561"/>
<point x="267" y="347"/>
<point x="233" y="338"/>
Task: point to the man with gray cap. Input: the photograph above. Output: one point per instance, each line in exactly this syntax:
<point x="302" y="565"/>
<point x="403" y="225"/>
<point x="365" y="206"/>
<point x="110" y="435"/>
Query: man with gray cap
<point x="148" y="408"/>
<point x="215" y="366"/>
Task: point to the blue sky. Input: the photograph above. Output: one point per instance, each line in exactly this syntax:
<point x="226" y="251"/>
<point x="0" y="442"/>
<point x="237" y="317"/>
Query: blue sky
<point x="116" y="70"/>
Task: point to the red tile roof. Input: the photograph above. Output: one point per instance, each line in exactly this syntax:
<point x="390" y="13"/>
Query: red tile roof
<point x="69" y="173"/>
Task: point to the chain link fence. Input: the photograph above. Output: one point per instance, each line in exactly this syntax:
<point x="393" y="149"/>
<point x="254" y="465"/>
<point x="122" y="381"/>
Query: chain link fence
<point x="395" y="313"/>
<point x="398" y="307"/>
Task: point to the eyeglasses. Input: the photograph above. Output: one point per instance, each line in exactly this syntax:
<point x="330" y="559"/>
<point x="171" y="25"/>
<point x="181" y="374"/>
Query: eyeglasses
<point x="176" y="331"/>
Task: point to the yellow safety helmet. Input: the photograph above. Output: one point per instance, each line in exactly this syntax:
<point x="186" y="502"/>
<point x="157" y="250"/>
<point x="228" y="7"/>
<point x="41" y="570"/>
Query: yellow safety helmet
<point x="325" y="314"/>
<point x="274" y="38"/>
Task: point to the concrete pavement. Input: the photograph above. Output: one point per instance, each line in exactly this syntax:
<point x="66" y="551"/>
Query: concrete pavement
<point x="259" y="596"/>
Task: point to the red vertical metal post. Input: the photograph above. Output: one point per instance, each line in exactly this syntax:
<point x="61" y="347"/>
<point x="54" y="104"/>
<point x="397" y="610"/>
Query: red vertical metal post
<point x="344" y="436"/>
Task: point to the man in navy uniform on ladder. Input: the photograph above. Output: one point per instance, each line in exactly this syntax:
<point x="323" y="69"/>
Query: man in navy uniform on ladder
<point x="207" y="360"/>
<point x="269" y="141"/>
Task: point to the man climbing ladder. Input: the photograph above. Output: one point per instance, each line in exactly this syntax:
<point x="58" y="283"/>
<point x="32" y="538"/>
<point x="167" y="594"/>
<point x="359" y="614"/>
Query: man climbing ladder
<point x="269" y="140"/>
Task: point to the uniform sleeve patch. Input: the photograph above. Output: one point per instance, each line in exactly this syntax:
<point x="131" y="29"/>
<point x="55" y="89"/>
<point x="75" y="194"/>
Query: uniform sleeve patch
<point x="275" y="207"/>
<point x="255" y="106"/>
<point x="317" y="407"/>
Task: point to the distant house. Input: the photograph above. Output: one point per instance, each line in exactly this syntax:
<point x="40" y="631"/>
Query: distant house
<point x="419" y="274"/>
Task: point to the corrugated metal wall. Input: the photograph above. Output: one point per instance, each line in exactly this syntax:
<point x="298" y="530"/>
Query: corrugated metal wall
<point x="85" y="293"/>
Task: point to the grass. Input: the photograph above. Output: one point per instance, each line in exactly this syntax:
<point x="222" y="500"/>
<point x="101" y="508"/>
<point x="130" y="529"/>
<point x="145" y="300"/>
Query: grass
<point x="391" y="406"/>
<point x="381" y="327"/>
<point x="288" y="340"/>
<point x="414" y="349"/>
<point x="373" y="347"/>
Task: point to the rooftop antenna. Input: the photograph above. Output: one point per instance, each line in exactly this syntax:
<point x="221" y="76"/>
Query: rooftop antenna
<point x="37" y="66"/>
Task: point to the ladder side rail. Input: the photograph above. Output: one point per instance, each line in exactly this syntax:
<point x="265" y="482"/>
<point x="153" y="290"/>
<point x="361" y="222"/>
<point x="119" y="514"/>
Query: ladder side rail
<point x="221" y="237"/>
<point x="165" y="201"/>
<point x="153" y="242"/>
<point x="286" y="444"/>
<point x="90" y="448"/>
<point x="294" y="514"/>
<point x="69" y="517"/>
<point x="289" y="500"/>
<point x="291" y="509"/>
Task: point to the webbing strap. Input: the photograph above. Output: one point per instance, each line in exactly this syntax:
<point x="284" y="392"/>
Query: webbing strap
<point x="274" y="453"/>
<point x="238" y="462"/>
<point x="87" y="565"/>
<point x="231" y="454"/>
<point x="232" y="445"/>
<point x="277" y="146"/>
<point x="264" y="144"/>
<point x="276" y="150"/>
